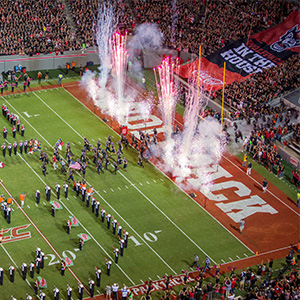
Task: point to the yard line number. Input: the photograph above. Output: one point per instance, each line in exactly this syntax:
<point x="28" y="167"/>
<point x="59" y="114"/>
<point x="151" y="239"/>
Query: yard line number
<point x="149" y="236"/>
<point x="54" y="260"/>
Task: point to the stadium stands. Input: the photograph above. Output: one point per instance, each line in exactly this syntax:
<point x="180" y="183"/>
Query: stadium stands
<point x="33" y="27"/>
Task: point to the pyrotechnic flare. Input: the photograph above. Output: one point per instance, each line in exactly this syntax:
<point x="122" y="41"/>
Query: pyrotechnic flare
<point x="106" y="26"/>
<point x="167" y="89"/>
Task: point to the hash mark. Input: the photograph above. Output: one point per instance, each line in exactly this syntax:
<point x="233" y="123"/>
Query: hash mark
<point x="158" y="277"/>
<point x="126" y="186"/>
<point x="119" y="188"/>
<point x="44" y="203"/>
<point x="154" y="181"/>
<point x="238" y="257"/>
<point x="142" y="281"/>
<point x="161" y="179"/>
<point x="112" y="190"/>
<point x="245" y="254"/>
<point x="141" y="184"/>
<point x="36" y="205"/>
<point x="148" y="182"/>
<point x="223" y="261"/>
<point x="74" y="197"/>
<point x="28" y="206"/>
<point x="230" y="258"/>
<point x="104" y="191"/>
<point x="158" y="231"/>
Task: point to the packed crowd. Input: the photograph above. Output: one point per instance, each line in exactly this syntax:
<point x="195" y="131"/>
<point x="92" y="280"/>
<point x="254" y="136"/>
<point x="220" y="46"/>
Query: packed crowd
<point x="32" y="27"/>
<point x="249" y="97"/>
<point x="212" y="24"/>
<point x="85" y="18"/>
<point x="257" y="283"/>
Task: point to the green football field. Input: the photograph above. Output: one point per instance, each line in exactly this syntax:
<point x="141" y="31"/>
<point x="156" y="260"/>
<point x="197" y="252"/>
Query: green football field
<point x="166" y="226"/>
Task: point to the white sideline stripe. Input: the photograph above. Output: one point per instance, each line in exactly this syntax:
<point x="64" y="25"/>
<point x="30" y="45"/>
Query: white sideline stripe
<point x="57" y="114"/>
<point x="172" y="222"/>
<point x="37" y="229"/>
<point x="62" y="202"/>
<point x="298" y="214"/>
<point x="146" y="196"/>
<point x="102" y="196"/>
<point x="78" y="222"/>
<point x="205" y="210"/>
<point x="16" y="266"/>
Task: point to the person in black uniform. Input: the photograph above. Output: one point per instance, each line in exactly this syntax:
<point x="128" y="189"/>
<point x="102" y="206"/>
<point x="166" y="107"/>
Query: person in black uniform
<point x="80" y="244"/>
<point x="102" y="214"/>
<point x="57" y="187"/>
<point x="31" y="269"/>
<point x="122" y="245"/>
<point x="66" y="187"/>
<point x="108" y="267"/>
<point x="97" y="206"/>
<point x="126" y="235"/>
<point x="21" y="147"/>
<point x="92" y="287"/>
<point x="44" y="169"/>
<point x="53" y="211"/>
<point x="9" y="147"/>
<point x="115" y="222"/>
<point x="69" y="226"/>
<point x="56" y="293"/>
<point x="3" y="147"/>
<point x="38" y="196"/>
<point x="1" y="275"/>
<point x="116" y="168"/>
<point x="48" y="192"/>
<point x="80" y="290"/>
<point x="69" y="292"/>
<point x="24" y="271"/>
<point x="25" y="146"/>
<point x="36" y="286"/>
<point x="12" y="273"/>
<point x="117" y="252"/>
<point x="98" y="276"/>
<point x="108" y="219"/>
<point x="15" y="145"/>
<point x="62" y="268"/>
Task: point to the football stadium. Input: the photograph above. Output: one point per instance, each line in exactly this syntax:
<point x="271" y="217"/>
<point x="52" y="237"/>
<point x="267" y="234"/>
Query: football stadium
<point x="150" y="149"/>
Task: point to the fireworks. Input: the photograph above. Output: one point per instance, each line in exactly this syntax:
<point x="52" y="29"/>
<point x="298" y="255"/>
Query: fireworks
<point x="167" y="89"/>
<point x="200" y="144"/>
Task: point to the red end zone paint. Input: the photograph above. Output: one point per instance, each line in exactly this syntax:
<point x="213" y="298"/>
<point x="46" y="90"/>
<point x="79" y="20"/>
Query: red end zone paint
<point x="41" y="234"/>
<point x="15" y="235"/>
<point x="234" y="195"/>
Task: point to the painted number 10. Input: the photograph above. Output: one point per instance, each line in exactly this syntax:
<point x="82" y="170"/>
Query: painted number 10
<point x="149" y="236"/>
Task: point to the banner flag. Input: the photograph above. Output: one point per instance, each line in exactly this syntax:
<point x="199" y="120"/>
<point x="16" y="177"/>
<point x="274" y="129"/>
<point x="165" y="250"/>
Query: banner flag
<point x="84" y="236"/>
<point x="68" y="262"/>
<point x="74" y="221"/>
<point x="245" y="57"/>
<point x="42" y="282"/>
<point x="56" y="204"/>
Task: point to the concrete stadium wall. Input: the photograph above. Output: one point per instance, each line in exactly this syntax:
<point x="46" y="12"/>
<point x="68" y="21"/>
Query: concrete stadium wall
<point x="50" y="61"/>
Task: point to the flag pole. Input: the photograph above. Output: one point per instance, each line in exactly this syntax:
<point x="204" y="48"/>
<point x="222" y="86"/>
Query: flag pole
<point x="223" y="94"/>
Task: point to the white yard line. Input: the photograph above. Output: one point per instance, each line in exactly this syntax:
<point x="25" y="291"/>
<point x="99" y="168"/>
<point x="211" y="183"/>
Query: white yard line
<point x="111" y="189"/>
<point x="240" y="169"/>
<point x="92" y="237"/>
<point x="135" y="186"/>
<point x="16" y="267"/>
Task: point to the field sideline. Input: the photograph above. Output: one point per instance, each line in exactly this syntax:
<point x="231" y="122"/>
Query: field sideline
<point x="165" y="225"/>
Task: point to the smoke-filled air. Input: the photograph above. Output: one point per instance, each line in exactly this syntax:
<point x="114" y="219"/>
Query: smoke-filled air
<point x="198" y="148"/>
<point x="194" y="150"/>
